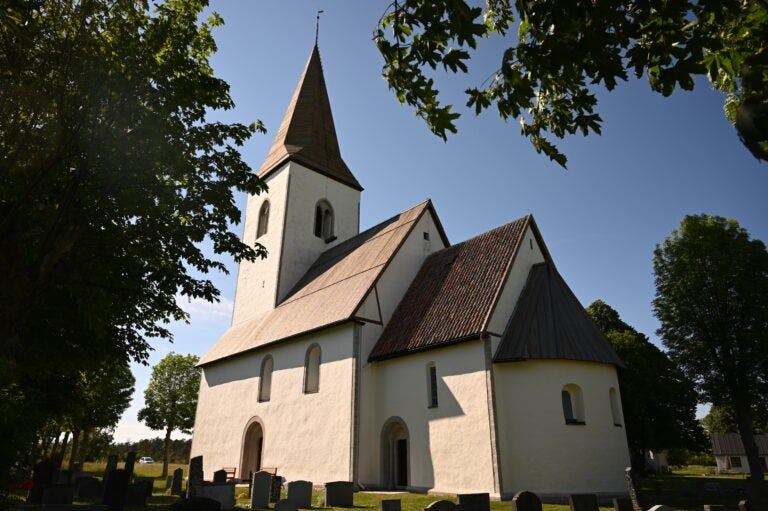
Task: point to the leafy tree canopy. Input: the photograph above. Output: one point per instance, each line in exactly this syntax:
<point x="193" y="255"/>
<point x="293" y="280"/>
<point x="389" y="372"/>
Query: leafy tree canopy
<point x="712" y="302"/>
<point x="110" y="179"/>
<point x="560" y="52"/>
<point x="658" y="401"/>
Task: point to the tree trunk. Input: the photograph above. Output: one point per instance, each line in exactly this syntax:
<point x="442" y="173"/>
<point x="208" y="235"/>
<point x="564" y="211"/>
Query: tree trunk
<point x="756" y="488"/>
<point x="84" y="446"/>
<point x="58" y="457"/>
<point x="55" y="445"/>
<point x="75" y="446"/>
<point x="166" y="451"/>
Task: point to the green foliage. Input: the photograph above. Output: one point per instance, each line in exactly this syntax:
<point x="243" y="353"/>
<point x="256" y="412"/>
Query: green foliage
<point x="685" y="457"/>
<point x="112" y="178"/>
<point x="712" y="302"/>
<point x="658" y="401"/>
<point x="562" y="51"/>
<point x="719" y="420"/>
<point x="170" y="399"/>
<point x="155" y="448"/>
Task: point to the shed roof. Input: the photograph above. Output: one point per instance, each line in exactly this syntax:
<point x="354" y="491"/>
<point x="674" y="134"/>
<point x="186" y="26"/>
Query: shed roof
<point x="330" y="293"/>
<point x="550" y="323"/>
<point x="453" y="294"/>
<point x="731" y="444"/>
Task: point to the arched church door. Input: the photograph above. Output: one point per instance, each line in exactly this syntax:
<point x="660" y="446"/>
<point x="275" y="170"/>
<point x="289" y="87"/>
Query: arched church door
<point x="394" y="454"/>
<point x="253" y="447"/>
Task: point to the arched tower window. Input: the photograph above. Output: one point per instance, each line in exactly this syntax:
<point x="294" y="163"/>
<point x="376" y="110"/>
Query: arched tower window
<point x="265" y="382"/>
<point x="573" y="404"/>
<point x="324" y="221"/>
<point x="263" y="219"/>
<point x="431" y="385"/>
<point x="615" y="408"/>
<point x="312" y="370"/>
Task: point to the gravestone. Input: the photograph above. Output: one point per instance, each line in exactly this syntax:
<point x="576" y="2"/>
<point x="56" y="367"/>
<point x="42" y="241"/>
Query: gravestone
<point x="130" y="461"/>
<point x="220" y="476"/>
<point x="301" y="493"/>
<point x="442" y="505"/>
<point x="136" y="494"/>
<point x="223" y="493"/>
<point x="195" y="504"/>
<point x="714" y="507"/>
<point x="59" y="494"/>
<point x="744" y="506"/>
<point x="260" y="489"/>
<point x="286" y="505"/>
<point x="148" y="482"/>
<point x="475" y="502"/>
<point x="622" y="504"/>
<point x="276" y="489"/>
<point x="42" y="477"/>
<point x="389" y="505"/>
<point x="196" y="475"/>
<point x="339" y="494"/>
<point x="583" y="502"/>
<point x="526" y="501"/>
<point x="115" y="489"/>
<point x="111" y="465"/>
<point x="168" y="482"/>
<point x="176" y="482"/>
<point x="661" y="507"/>
<point x="89" y="488"/>
<point x="63" y="476"/>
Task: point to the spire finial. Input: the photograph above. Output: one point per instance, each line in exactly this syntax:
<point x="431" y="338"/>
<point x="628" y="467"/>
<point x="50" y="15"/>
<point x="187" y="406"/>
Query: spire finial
<point x="317" y="26"/>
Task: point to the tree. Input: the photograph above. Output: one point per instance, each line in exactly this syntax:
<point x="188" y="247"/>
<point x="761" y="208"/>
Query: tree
<point x="171" y="398"/>
<point x="111" y="178"/>
<point x="719" y="420"/>
<point x="712" y="302"/>
<point x="562" y="51"/>
<point x="658" y="401"/>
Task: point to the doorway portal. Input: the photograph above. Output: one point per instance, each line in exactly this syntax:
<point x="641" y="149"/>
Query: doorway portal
<point x="395" y="460"/>
<point x="253" y="448"/>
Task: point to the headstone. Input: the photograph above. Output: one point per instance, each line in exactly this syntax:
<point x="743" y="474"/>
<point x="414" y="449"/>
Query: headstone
<point x="195" y="504"/>
<point x="622" y="504"/>
<point x="632" y="488"/>
<point x="339" y="494"/>
<point x="220" y="476"/>
<point x="223" y="493"/>
<point x="714" y="507"/>
<point x="168" y="482"/>
<point x="661" y="507"/>
<point x="301" y="493"/>
<point x="389" y="505"/>
<point x="583" y="502"/>
<point x="475" y="502"/>
<point x="526" y="501"/>
<point x="89" y="488"/>
<point x="148" y="482"/>
<point x="276" y="489"/>
<point x="260" y="489"/>
<point x="286" y="505"/>
<point x="196" y="475"/>
<point x="111" y="465"/>
<point x="178" y="476"/>
<point x="130" y="461"/>
<point x="136" y="494"/>
<point x="59" y="494"/>
<point x="744" y="506"/>
<point x="42" y="477"/>
<point x="442" y="505"/>
<point x="74" y="507"/>
<point x="115" y="489"/>
<point x="63" y="476"/>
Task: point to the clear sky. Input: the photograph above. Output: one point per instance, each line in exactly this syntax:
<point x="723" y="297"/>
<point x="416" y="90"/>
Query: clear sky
<point x="625" y="191"/>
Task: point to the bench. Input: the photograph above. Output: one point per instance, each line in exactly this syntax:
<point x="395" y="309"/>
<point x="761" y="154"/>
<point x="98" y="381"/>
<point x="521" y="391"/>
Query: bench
<point x="231" y="472"/>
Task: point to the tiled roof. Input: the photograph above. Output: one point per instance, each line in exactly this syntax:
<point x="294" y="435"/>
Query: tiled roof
<point x="307" y="134"/>
<point x="730" y="444"/>
<point x="330" y="292"/>
<point x="550" y="323"/>
<point x="453" y="293"/>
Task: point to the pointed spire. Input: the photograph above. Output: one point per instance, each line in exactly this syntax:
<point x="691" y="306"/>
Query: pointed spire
<point x="307" y="134"/>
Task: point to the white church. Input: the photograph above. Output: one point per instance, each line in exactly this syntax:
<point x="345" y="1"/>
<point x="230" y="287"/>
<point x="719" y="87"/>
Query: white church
<point x="395" y="360"/>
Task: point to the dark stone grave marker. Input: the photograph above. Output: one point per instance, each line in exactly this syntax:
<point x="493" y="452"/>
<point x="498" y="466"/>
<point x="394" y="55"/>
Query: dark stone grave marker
<point x="339" y="494"/>
<point x="130" y="461"/>
<point x="176" y="483"/>
<point x="301" y="493"/>
<point x="390" y="505"/>
<point x="583" y="502"/>
<point x="526" y="501"/>
<point x="42" y="477"/>
<point x="220" y="476"/>
<point x="115" y="489"/>
<point x="260" y="489"/>
<point x="442" y="505"/>
<point x="622" y="504"/>
<point x="59" y="494"/>
<point x="89" y="488"/>
<point x="286" y="505"/>
<point x="195" y="504"/>
<point x="196" y="475"/>
<point x="475" y="502"/>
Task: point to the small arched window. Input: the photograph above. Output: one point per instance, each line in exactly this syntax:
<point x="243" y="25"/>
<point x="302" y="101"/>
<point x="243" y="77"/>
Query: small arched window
<point x="265" y="382"/>
<point x="312" y="370"/>
<point x="263" y="219"/>
<point x="431" y="385"/>
<point x="324" y="221"/>
<point x="613" y="396"/>
<point x="573" y="404"/>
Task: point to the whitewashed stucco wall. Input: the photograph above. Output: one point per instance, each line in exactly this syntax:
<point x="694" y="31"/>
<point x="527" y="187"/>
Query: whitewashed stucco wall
<point x="306" y="436"/>
<point x="538" y="451"/>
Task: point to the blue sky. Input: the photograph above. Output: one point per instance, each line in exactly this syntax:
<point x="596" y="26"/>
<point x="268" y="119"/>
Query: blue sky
<point x="625" y="191"/>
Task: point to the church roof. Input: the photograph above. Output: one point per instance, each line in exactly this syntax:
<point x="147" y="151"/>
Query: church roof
<point x="550" y="323"/>
<point x="454" y="293"/>
<point x="307" y="134"/>
<point x="330" y="293"/>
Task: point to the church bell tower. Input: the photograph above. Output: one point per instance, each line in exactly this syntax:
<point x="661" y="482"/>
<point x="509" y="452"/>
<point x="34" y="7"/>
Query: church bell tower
<point x="313" y="201"/>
